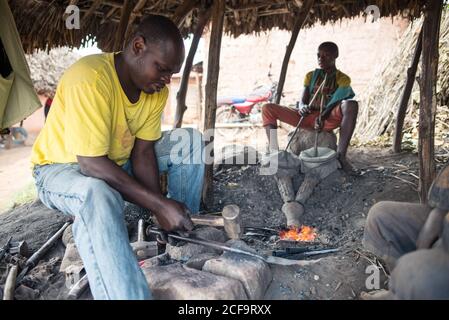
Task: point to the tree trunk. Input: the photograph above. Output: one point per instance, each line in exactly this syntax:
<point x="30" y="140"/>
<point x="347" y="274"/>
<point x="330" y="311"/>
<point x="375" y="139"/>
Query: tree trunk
<point x="427" y="110"/>
<point x="302" y="17"/>
<point x="402" y="110"/>
<point x="182" y="93"/>
<point x="213" y="69"/>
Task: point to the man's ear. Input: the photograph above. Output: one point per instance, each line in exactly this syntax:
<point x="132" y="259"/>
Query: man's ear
<point x="138" y="45"/>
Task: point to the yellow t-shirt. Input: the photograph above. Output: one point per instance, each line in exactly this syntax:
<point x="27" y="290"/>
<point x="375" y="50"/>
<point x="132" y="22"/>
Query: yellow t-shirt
<point x="91" y="115"/>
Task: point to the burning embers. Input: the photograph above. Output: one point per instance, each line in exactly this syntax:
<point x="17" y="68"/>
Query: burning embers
<point x="303" y="233"/>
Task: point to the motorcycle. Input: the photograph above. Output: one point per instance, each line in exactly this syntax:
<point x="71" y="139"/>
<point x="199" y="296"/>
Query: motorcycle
<point x="241" y="114"/>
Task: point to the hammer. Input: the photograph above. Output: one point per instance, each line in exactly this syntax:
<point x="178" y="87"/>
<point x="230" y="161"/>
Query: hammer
<point x="230" y="220"/>
<point x="143" y="249"/>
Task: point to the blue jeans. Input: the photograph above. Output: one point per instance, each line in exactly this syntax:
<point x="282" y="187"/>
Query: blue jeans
<point x="99" y="227"/>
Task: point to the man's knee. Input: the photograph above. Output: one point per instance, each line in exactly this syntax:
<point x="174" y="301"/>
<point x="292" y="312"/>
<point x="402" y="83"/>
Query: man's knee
<point x="349" y="107"/>
<point x="377" y="214"/>
<point x="268" y="108"/>
<point x="422" y="274"/>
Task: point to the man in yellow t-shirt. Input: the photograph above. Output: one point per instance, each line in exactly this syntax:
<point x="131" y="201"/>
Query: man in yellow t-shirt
<point x="102" y="144"/>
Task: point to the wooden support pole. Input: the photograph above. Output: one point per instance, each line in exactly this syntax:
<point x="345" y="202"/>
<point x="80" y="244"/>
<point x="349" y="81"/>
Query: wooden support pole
<point x="124" y="18"/>
<point x="300" y="20"/>
<point x="402" y="110"/>
<point x="427" y="109"/>
<point x="213" y="69"/>
<point x="182" y="93"/>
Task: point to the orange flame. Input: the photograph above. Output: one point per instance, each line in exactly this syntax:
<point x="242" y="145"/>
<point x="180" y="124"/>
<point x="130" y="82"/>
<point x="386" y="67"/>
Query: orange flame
<point x="303" y="233"/>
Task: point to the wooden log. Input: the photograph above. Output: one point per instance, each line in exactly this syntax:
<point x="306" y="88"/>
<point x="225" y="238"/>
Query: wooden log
<point x="213" y="70"/>
<point x="311" y="179"/>
<point x="427" y="110"/>
<point x="124" y="18"/>
<point x="182" y="93"/>
<point x="402" y="110"/>
<point x="300" y="20"/>
<point x="10" y="284"/>
<point x="285" y="186"/>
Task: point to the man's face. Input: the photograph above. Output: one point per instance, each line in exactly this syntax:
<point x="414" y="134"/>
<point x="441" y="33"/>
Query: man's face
<point x="326" y="59"/>
<point x="155" y="65"/>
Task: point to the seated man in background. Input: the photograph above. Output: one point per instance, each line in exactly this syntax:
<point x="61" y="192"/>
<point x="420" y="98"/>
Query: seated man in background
<point x="413" y="240"/>
<point x="338" y="110"/>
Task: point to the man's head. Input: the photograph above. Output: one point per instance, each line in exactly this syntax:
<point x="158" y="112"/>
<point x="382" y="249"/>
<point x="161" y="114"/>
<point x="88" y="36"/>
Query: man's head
<point x="155" y="53"/>
<point x="327" y="54"/>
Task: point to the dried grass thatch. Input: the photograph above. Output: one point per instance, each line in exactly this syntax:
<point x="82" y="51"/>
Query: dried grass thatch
<point x="46" y="68"/>
<point x="41" y="23"/>
<point x="380" y="103"/>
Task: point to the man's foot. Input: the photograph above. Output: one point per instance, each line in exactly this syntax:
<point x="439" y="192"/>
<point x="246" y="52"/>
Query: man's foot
<point x="381" y="294"/>
<point x="345" y="165"/>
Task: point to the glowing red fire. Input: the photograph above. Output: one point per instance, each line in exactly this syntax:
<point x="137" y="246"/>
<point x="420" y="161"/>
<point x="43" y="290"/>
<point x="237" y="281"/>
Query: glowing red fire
<point x="303" y="233"/>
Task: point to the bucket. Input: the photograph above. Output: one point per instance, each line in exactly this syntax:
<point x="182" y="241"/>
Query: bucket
<point x="326" y="159"/>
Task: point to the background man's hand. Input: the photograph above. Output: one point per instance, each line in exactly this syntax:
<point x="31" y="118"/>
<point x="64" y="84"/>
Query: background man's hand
<point x="174" y="216"/>
<point x="303" y="110"/>
<point x="432" y="229"/>
<point x="319" y="124"/>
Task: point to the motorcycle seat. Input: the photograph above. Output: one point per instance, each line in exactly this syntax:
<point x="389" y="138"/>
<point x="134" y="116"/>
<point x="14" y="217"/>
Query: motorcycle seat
<point x="258" y="98"/>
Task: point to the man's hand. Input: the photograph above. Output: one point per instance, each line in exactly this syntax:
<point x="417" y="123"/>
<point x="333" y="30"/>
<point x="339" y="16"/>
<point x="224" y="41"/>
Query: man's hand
<point x="432" y="229"/>
<point x="319" y="124"/>
<point x="174" y="216"/>
<point x="303" y="110"/>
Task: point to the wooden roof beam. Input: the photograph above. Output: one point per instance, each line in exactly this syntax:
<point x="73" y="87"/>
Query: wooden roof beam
<point x="120" y="36"/>
<point x="90" y="11"/>
<point x="182" y="11"/>
<point x="138" y="7"/>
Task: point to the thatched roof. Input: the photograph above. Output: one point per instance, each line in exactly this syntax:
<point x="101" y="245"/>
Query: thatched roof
<point x="41" y="23"/>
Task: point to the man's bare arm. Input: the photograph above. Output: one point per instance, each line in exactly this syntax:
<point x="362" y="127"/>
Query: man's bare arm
<point x="305" y="96"/>
<point x="170" y="214"/>
<point x="145" y="167"/>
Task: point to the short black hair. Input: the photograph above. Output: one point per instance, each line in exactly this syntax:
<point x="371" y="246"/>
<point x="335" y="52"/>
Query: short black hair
<point x="157" y="29"/>
<point x="330" y="47"/>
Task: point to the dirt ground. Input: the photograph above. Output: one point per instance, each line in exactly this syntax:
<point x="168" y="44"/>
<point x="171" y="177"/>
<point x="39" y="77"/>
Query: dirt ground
<point x="337" y="209"/>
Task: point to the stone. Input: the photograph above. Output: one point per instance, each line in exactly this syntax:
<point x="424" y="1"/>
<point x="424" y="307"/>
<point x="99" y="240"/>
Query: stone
<point x="67" y="236"/>
<point x="253" y="273"/>
<point x="71" y="257"/>
<point x="294" y="212"/>
<point x="187" y="250"/>
<point x="26" y="293"/>
<point x="198" y="261"/>
<point x="155" y="261"/>
<point x="177" y="282"/>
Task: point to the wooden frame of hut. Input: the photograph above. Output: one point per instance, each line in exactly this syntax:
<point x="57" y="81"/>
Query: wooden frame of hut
<point x="41" y="24"/>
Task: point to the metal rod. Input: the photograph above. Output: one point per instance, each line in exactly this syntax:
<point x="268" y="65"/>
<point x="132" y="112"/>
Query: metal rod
<point x="32" y="261"/>
<point x="208" y="243"/>
<point x="300" y="121"/>
<point x="319" y="117"/>
<point x="141" y="230"/>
